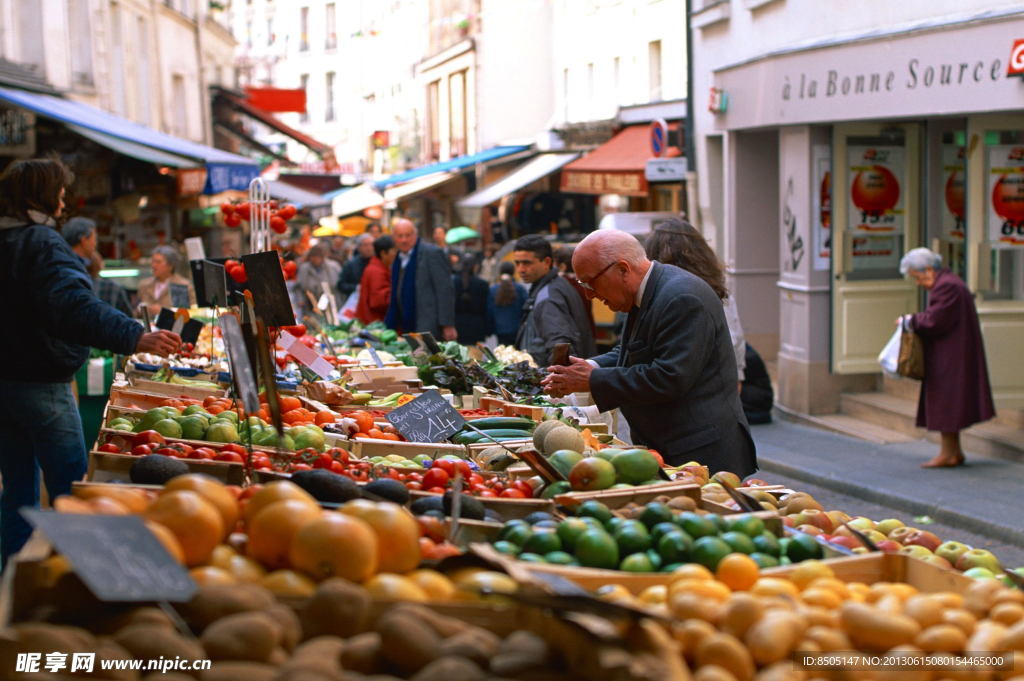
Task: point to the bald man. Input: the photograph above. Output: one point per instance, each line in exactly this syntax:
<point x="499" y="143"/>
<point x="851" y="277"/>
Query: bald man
<point x="422" y="291"/>
<point x="673" y="374"/>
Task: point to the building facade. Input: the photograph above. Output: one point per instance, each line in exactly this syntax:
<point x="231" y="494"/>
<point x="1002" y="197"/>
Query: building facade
<point x="832" y="140"/>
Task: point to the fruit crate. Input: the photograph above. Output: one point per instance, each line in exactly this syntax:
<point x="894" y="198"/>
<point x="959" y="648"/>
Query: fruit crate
<point x="889" y="567"/>
<point x="366" y="448"/>
<point x="130" y="398"/>
<point x="514" y="445"/>
<point x="508" y="509"/>
<point x="175" y="389"/>
<point x="777" y="491"/>
<point x="617" y="498"/>
<point x="108" y="467"/>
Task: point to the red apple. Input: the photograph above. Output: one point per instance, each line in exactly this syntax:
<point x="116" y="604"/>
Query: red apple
<point x="923" y="538"/>
<point x="810" y="529"/>
<point x="889" y="546"/>
<point x="938" y="561"/>
<point x="901" y="534"/>
<point x="838" y="518"/>
<point x="848" y="542"/>
<point x="814" y="517"/>
<point x="788" y="521"/>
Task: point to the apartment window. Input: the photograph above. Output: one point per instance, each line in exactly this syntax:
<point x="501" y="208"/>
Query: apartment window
<point x="270" y="31"/>
<point x="248" y="34"/>
<point x="304" y="29"/>
<point x="81" y="46"/>
<point x="457" y="127"/>
<point x="433" y="120"/>
<point x="142" y="91"/>
<point x="117" y="89"/>
<point x="180" y="107"/>
<point x="330" y="27"/>
<point x="654" y="70"/>
<point x="304" y="84"/>
<point x="329" y="95"/>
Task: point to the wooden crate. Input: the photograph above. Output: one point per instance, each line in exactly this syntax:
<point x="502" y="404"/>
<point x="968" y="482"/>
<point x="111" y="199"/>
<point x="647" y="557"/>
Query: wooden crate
<point x="107" y="467"/>
<point x="175" y="390"/>
<point x="869" y="568"/>
<point x="366" y="448"/>
<point x="370" y="375"/>
<point x="508" y="509"/>
<point x="617" y="498"/>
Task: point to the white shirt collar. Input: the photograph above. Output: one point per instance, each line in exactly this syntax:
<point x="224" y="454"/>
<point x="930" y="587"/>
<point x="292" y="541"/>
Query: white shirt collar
<point x="643" y="285"/>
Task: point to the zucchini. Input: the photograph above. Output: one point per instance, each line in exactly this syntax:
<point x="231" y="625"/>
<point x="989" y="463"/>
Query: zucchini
<point x="500" y="422"/>
<point x="470" y="437"/>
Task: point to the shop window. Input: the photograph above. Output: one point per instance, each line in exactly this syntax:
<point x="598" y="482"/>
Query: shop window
<point x="457" y="124"/>
<point x="81" y="46"/>
<point x="304" y="29"/>
<point x="304" y="84"/>
<point x="330" y="28"/>
<point x="945" y="193"/>
<point x="654" y="70"/>
<point x="876" y="212"/>
<point x="433" y="121"/>
<point x="1001" y="266"/>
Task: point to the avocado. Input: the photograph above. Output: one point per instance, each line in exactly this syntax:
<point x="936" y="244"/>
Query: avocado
<point x="388" y="489"/>
<point x="156" y="469"/>
<point x="324" y="485"/>
<point x="538" y="516"/>
<point x="492" y="516"/>
<point x="424" y="504"/>
<point x="471" y="508"/>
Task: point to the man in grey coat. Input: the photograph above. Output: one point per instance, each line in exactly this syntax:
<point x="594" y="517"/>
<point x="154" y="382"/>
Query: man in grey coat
<point x="554" y="312"/>
<point x="673" y="374"/>
<point x="422" y="292"/>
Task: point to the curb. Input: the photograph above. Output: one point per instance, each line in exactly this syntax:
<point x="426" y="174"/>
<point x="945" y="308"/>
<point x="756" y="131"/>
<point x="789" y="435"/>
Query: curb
<point x="942" y="514"/>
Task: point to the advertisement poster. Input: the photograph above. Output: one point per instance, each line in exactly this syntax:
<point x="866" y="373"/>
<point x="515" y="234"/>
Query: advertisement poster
<point x="953" y="204"/>
<point x="875" y="205"/>
<point x="1005" y="190"/>
<point x="821" y="204"/>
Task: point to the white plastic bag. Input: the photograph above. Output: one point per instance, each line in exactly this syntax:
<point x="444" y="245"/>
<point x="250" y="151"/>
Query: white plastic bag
<point x="889" y="358"/>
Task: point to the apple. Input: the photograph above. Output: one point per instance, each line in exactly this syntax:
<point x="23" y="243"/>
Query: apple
<point x="788" y="521"/>
<point x="848" y="542"/>
<point x="837" y="518"/>
<point x="861" y="549"/>
<point x="951" y="550"/>
<point x="938" y="561"/>
<point x="924" y="538"/>
<point x="978" y="558"/>
<point x="888" y="525"/>
<point x="861" y="523"/>
<point x="799" y="501"/>
<point x="979" y="573"/>
<point x="814" y="517"/>
<point x="889" y="546"/>
<point x="874" y="536"/>
<point x="755" y="482"/>
<point x="901" y="534"/>
<point x="810" y="529"/>
<point x="916" y="551"/>
<point x="727" y="478"/>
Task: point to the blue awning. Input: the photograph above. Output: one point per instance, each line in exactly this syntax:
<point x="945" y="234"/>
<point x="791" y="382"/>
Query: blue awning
<point x="452" y="165"/>
<point x="226" y="170"/>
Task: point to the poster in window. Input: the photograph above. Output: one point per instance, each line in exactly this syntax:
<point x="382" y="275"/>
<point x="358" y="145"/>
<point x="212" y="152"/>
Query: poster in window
<point x="875" y="205"/>
<point x="821" y="205"/>
<point x="953" y="202"/>
<point x="1005" y="190"/>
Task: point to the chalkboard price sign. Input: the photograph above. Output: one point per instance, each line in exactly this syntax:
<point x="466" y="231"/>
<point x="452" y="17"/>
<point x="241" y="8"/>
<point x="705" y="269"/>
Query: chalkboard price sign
<point x="179" y="295"/>
<point x="117" y="557"/>
<point x="428" y="418"/>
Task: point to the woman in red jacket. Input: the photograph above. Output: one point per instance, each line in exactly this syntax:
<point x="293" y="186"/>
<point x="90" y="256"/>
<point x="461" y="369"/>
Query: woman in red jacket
<point x="375" y="284"/>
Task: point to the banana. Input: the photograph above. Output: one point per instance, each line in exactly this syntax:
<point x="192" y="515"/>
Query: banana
<point x="361" y="398"/>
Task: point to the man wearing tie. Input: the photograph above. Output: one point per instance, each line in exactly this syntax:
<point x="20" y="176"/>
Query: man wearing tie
<point x="673" y="374"/>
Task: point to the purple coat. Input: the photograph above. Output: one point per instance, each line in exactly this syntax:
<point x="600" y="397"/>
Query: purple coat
<point x="955" y="392"/>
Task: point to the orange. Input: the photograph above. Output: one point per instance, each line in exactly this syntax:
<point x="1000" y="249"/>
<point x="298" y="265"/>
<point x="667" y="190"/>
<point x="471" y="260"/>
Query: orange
<point x="207" y="574"/>
<point x="364" y="420"/>
<point x="280" y="490"/>
<point x="285" y="583"/>
<point x="272" y="530"/>
<point x="108" y="506"/>
<point x="323" y="417"/>
<point x="692" y="571"/>
<point x="775" y="586"/>
<point x="738" y="571"/>
<point x="288" y="403"/>
<point x="398" y="548"/>
<point x="167" y="538"/>
<point x="807" y="571"/>
<point x="821" y="597"/>
<point x="434" y="584"/>
<point x="194" y="521"/>
<point x="392" y="587"/>
<point x="135" y="500"/>
<point x="70" y="504"/>
<point x="335" y="545"/>
<point x="214" y="492"/>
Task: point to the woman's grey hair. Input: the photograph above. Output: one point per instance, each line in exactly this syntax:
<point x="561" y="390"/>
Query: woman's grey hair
<point x="76" y="229"/>
<point x="169" y="254"/>
<point x="920" y="259"/>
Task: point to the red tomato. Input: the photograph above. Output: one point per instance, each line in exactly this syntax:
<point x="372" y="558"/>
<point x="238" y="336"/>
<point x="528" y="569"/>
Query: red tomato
<point x="475" y="479"/>
<point x="435" y="477"/>
<point x="299" y="467"/>
<point x="232" y="457"/>
<point x="523" y="487"/>
<point x="273" y="204"/>
<point x="171" y="451"/>
<point x="238" y="274"/>
<point x="235" y="447"/>
<point x="463" y="468"/>
<point x="337" y="467"/>
<point x="415" y="477"/>
<point x="110" y="449"/>
<point x="243" y="209"/>
<point x="232" y="220"/>
<point x="142" y="450"/>
<point x="231" y="263"/>
<point x="413" y="485"/>
<point x="261" y="460"/>
<point x="513" y="493"/>
<point x="323" y="460"/>
<point x="227" y="208"/>
<point x="436" y="490"/>
<point x="204" y="453"/>
<point x="148" y="437"/>
<point x="339" y="454"/>
<point x="278" y="224"/>
<point x="287" y="211"/>
<point x="290" y="269"/>
<point x="446" y="465"/>
<point x="486" y="493"/>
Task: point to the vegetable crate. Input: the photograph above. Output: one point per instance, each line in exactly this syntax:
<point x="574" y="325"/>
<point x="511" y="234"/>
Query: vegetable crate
<point x="617" y="498"/>
<point x="176" y="389"/>
<point x="108" y="467"/>
<point x="366" y="448"/>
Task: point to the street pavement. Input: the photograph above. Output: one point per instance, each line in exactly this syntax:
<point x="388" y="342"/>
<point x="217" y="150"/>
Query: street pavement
<point x="982" y="500"/>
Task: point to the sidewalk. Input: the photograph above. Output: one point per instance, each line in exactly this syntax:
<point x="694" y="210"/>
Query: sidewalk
<point x="985" y="497"/>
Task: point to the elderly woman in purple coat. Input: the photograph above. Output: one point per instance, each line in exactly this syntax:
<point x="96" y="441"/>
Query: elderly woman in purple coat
<point x="955" y="391"/>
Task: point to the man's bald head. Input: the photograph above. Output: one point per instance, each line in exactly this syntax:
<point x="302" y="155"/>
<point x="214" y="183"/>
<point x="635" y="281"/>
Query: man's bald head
<point x="405" y="235"/>
<point x="606" y="245"/>
<point x="612" y="264"/>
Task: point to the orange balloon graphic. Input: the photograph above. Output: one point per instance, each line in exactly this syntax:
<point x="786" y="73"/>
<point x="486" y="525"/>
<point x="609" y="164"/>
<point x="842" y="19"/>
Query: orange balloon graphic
<point x="876" y="190"/>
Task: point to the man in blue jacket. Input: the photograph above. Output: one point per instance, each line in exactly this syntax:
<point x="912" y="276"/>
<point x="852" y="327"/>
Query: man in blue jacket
<point x="53" y="319"/>
<point x="422" y="290"/>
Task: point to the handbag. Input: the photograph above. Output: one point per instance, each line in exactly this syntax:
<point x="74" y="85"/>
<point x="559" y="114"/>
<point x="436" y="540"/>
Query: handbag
<point x="911" y="361"/>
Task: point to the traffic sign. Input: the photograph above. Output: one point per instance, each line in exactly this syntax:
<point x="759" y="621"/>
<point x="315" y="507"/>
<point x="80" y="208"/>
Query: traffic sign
<point x="659" y="137"/>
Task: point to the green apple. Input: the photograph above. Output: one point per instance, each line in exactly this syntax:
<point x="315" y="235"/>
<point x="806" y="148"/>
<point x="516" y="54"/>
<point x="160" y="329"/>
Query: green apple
<point x="888" y="525"/>
<point x="979" y="573"/>
<point x="861" y="523"/>
<point x="916" y="551"/>
<point x="952" y="550"/>
<point x="976" y="558"/>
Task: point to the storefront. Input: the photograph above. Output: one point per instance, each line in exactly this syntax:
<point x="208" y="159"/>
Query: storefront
<point x="867" y="149"/>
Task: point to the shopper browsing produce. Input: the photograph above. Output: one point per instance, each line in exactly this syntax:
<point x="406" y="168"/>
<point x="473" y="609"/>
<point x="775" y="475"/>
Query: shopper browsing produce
<point x="673" y="374"/>
<point x="50" y="301"/>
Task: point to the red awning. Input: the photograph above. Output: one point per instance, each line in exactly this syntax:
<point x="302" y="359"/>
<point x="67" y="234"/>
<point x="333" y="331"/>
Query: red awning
<point x="615" y="167"/>
<point x="273" y="122"/>
<point x="277" y="100"/>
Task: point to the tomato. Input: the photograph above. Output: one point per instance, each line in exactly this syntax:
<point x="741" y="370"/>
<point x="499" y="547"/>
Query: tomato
<point x="238" y="274"/>
<point x="170" y="451"/>
<point x="413" y="485"/>
<point x="414" y="477"/>
<point x="487" y="493"/>
<point x="337" y="467"/>
<point x="234" y="447"/>
<point x="244" y="210"/>
<point x="513" y="493"/>
<point x="435" y="477"/>
<point x="475" y="479"/>
<point x="523" y="487"/>
<point x="447" y="465"/>
<point x="232" y="457"/>
<point x="463" y="468"/>
<point x="299" y="467"/>
<point x="436" y="490"/>
<point x="278" y="224"/>
<point x="287" y="211"/>
<point x="227" y="208"/>
<point x="339" y="454"/>
<point x="478" y="488"/>
<point x="290" y="269"/>
<point x="142" y="450"/>
<point x="233" y="220"/>
<point x="148" y="437"/>
<point x="109" y="449"/>
<point x="323" y="460"/>
<point x="204" y="453"/>
<point x="261" y="460"/>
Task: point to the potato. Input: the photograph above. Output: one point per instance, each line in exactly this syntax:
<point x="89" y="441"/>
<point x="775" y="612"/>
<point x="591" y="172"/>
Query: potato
<point x="941" y="638"/>
<point x="961" y="619"/>
<point x="476" y="644"/>
<point x="988" y="637"/>
<point x="827" y="638"/>
<point x="239" y="671"/>
<point x="169" y="676"/>
<point x="451" y="668"/>
<point x="741" y="611"/>
<point x="727" y="652"/>
<point x="1015" y="637"/>
<point x="288" y="623"/>
<point x="689" y="635"/>
<point x="870" y="629"/>
<point x="1007" y="613"/>
<point x="146" y="615"/>
<point x="319" y="656"/>
<point x="925" y="609"/>
<point x="245" y="636"/>
<point x="337" y="608"/>
<point x="108" y="649"/>
<point x="213" y="601"/>
<point x="407" y="644"/>
<point x="713" y="672"/>
<point x="151" y="641"/>
<point x="781" y="671"/>
<point x="361" y="653"/>
<point x="774" y="636"/>
<point x="444" y="626"/>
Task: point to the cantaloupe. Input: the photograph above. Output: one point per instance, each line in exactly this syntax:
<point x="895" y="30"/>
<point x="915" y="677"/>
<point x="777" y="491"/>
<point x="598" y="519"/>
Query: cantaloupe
<point x="565" y="437"/>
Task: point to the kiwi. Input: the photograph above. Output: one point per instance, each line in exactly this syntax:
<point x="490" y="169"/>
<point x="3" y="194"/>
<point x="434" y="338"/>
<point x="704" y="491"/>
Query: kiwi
<point x="565" y="437"/>
<point x="542" y="430"/>
<point x="388" y="489"/>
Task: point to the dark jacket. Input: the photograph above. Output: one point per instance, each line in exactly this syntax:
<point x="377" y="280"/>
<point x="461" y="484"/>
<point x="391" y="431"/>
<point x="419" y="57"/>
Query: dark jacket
<point x="351" y="274"/>
<point x="673" y="375"/>
<point x="504" y="319"/>
<point x="471" y="309"/>
<point x="554" y="313"/>
<point x="955" y="391"/>
<point x="432" y="302"/>
<point x="58" y="317"/>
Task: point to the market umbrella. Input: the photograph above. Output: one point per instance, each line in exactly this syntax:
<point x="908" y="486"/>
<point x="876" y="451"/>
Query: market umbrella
<point x="460" y="234"/>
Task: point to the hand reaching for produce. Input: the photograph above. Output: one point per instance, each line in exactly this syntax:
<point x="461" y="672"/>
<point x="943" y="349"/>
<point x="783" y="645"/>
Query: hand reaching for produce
<point x="562" y="380"/>
<point x="159" y="343"/>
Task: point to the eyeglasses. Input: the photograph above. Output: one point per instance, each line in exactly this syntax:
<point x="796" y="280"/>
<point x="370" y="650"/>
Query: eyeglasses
<point x="587" y="285"/>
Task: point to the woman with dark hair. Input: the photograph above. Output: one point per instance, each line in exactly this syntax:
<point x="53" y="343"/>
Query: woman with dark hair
<point x="677" y="242"/>
<point x="505" y="304"/>
<point x="49" y="293"/>
<point x="470" y="301"/>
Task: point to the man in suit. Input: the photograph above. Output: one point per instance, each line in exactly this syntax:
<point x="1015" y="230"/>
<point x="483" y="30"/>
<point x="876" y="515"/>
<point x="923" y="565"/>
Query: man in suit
<point x="673" y="374"/>
<point x="422" y="292"/>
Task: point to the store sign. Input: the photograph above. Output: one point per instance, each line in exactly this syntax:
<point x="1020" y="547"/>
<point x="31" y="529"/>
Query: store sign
<point x="17" y="132"/>
<point x="191" y="181"/>
<point x="584" y="182"/>
<point x="666" y="169"/>
<point x="875" y="204"/>
<point x="1016" y="64"/>
<point x="1005" y="191"/>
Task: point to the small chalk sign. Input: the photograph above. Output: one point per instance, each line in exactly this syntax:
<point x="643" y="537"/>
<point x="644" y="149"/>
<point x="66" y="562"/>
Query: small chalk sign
<point x="179" y="295"/>
<point x="117" y="557"/>
<point x="190" y="330"/>
<point x="428" y="418"/>
<point x="269" y="292"/>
